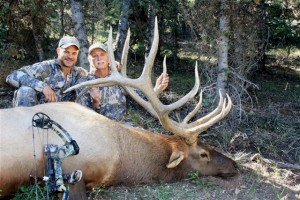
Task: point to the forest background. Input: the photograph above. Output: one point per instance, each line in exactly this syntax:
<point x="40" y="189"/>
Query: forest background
<point x="247" y="48"/>
<point x="229" y="38"/>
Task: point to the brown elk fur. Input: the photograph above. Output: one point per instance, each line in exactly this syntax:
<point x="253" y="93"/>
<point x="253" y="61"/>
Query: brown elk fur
<point x="110" y="153"/>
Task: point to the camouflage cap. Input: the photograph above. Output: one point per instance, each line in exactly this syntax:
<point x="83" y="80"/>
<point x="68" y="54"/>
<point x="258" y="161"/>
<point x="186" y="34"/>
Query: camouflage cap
<point x="97" y="45"/>
<point x="67" y="41"/>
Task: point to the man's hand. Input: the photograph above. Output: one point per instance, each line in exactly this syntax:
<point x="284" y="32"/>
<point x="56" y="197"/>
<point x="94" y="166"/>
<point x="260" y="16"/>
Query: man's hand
<point x="162" y="83"/>
<point x="95" y="95"/>
<point x="50" y="95"/>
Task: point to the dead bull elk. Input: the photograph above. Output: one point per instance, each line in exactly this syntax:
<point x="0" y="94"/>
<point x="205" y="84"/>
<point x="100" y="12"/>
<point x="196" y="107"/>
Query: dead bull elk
<point x="110" y="152"/>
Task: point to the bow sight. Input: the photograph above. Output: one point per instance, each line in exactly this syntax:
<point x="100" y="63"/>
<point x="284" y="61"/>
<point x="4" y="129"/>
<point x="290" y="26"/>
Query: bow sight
<point x="54" y="177"/>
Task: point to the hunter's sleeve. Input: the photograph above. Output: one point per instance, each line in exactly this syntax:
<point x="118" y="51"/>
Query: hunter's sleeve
<point x="82" y="94"/>
<point x="85" y="99"/>
<point x="140" y="94"/>
<point x="32" y="76"/>
<point x="82" y="76"/>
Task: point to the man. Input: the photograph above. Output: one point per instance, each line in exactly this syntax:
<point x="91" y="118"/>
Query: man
<point x="44" y="82"/>
<point x="109" y="100"/>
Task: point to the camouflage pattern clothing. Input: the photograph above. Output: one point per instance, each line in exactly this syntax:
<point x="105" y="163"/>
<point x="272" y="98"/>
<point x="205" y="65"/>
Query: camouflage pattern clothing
<point x="32" y="79"/>
<point x="112" y="100"/>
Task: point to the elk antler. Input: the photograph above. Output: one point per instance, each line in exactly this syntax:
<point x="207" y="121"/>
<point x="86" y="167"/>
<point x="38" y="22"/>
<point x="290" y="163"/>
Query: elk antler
<point x="189" y="131"/>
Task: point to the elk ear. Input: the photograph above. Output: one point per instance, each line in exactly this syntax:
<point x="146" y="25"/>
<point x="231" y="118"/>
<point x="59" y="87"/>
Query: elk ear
<point x="175" y="159"/>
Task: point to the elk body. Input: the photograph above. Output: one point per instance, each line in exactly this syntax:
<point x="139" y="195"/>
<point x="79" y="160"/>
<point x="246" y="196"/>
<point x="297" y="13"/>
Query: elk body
<point x="110" y="152"/>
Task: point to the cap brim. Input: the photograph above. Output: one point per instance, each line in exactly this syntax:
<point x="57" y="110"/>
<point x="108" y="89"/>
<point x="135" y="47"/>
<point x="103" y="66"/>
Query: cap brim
<point x="96" y="48"/>
<point x="68" y="45"/>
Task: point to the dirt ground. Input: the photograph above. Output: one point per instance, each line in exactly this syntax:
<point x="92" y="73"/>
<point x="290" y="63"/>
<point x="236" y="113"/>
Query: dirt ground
<point x="267" y="150"/>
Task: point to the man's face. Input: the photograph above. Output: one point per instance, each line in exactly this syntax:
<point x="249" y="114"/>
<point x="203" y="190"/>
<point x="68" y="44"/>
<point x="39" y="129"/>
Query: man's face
<point x="99" y="59"/>
<point x="68" y="56"/>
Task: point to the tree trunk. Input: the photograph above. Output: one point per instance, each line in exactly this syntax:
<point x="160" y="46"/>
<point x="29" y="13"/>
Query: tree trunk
<point x="37" y="40"/>
<point x="80" y="31"/>
<point x="223" y="49"/>
<point x="37" y="27"/>
<point x="122" y="29"/>
<point x="62" y="24"/>
<point x="150" y="27"/>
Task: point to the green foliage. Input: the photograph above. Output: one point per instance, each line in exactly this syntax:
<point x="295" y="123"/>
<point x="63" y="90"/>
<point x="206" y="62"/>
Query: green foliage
<point x="11" y="56"/>
<point x="113" y="14"/>
<point x="254" y="186"/>
<point x="17" y="21"/>
<point x="180" y="82"/>
<point x="163" y="192"/>
<point x="4" y="10"/>
<point x="33" y="192"/>
<point x="196" y="179"/>
<point x="276" y="124"/>
<point x="208" y="99"/>
<point x="193" y="176"/>
<point x="285" y="29"/>
<point x="100" y="191"/>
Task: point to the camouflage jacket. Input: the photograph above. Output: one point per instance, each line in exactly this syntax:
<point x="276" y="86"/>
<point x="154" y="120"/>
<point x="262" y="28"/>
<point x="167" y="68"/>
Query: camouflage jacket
<point x="112" y="100"/>
<point x="48" y="73"/>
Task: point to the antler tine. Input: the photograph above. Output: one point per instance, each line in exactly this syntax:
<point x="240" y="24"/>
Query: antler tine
<point x="111" y="52"/>
<point x="145" y="80"/>
<point x="92" y="83"/>
<point x="191" y="131"/>
<point x="149" y="62"/>
<point x="215" y="112"/>
<point x="195" y="110"/>
<point x="125" y="54"/>
<point x="179" y="103"/>
<point x="165" y="65"/>
<point x="197" y="128"/>
<point x="219" y="113"/>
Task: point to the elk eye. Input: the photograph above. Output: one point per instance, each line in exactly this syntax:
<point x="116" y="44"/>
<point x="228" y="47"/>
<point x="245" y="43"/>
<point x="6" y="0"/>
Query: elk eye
<point x="203" y="155"/>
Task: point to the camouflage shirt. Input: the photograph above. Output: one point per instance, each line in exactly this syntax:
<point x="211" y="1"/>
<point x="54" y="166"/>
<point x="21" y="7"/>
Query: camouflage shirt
<point x="50" y="73"/>
<point x="112" y="100"/>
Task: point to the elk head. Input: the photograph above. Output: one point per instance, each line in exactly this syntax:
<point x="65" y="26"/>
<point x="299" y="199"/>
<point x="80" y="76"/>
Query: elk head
<point x="202" y="155"/>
